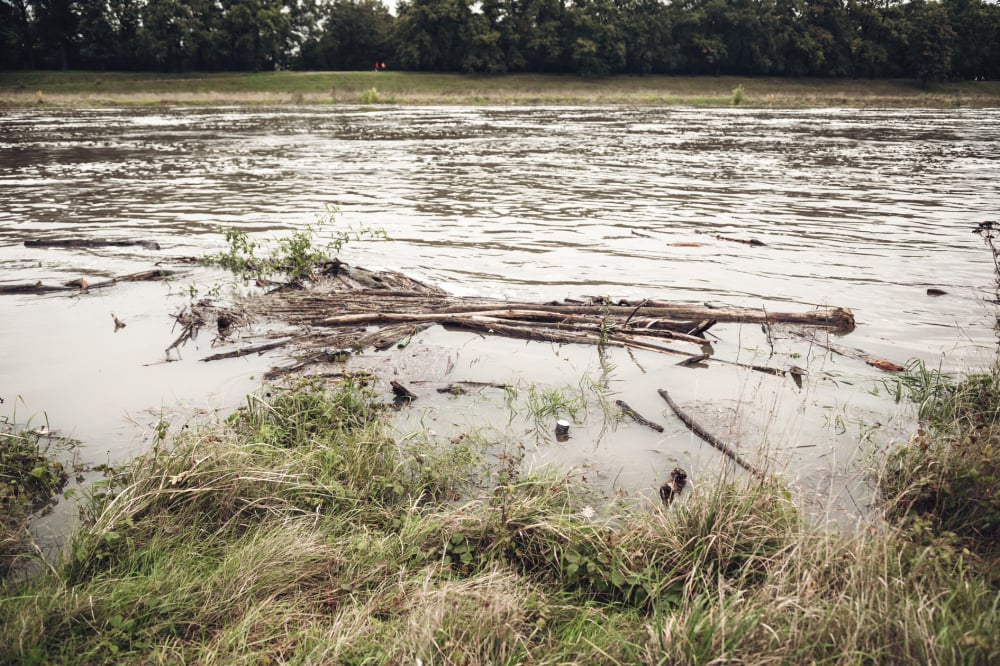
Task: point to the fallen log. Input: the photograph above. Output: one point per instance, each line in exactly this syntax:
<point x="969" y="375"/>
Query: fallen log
<point x="81" y="285"/>
<point x="837" y="319"/>
<point x="90" y="242"/>
<point x="652" y="328"/>
<point x="694" y="427"/>
<point x="141" y="276"/>
<point x="36" y="288"/>
<point x="687" y="315"/>
<point x="559" y="337"/>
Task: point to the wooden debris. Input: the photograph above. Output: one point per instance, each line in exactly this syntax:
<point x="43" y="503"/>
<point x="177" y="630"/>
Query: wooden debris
<point x="883" y="364"/>
<point x="636" y="416"/>
<point x="694" y="427"/>
<point x="777" y="372"/>
<point x="245" y="351"/>
<point x="401" y="392"/>
<point x="119" y="324"/>
<point x="836" y="319"/>
<point x="190" y="319"/>
<point x="458" y="388"/>
<point x="399" y="299"/>
<point x="142" y="276"/>
<point x="81" y="285"/>
<point x="91" y="242"/>
<point x="36" y="288"/>
<point x="322" y="356"/>
<point x="746" y="241"/>
<point x="694" y="360"/>
<point x="356" y="308"/>
<point x="702" y="327"/>
<point x="849" y="352"/>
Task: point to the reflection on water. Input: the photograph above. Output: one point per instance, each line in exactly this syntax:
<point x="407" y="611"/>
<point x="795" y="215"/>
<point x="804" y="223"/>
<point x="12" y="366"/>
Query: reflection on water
<point x="859" y="208"/>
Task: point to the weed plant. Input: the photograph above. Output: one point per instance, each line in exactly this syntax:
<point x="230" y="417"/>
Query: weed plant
<point x="294" y="258"/>
<point x="30" y="480"/>
<point x="298" y="531"/>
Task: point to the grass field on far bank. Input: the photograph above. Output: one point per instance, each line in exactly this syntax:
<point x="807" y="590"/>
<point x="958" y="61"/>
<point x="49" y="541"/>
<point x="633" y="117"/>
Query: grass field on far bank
<point x="78" y="88"/>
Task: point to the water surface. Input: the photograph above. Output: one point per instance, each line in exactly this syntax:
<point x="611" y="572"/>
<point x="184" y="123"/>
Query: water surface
<point x="864" y="209"/>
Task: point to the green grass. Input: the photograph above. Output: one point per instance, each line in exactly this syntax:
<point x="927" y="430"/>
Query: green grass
<point x="942" y="484"/>
<point x="77" y="88"/>
<point x="300" y="532"/>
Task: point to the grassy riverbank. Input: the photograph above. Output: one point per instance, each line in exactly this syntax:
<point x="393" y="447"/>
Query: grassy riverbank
<point x="301" y="531"/>
<point x="75" y="89"/>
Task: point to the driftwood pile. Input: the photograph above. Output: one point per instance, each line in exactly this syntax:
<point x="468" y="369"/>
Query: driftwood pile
<point x="345" y="310"/>
<point x="356" y="309"/>
<point x="351" y="309"/>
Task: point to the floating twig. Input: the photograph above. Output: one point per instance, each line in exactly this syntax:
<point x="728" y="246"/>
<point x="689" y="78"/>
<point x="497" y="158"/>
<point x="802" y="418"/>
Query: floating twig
<point x="246" y="351"/>
<point x="636" y="416"/>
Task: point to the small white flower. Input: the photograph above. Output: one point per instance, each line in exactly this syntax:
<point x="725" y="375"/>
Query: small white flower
<point x="587" y="512"/>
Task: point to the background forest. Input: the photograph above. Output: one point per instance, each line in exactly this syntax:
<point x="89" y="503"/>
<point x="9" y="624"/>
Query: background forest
<point x="929" y="40"/>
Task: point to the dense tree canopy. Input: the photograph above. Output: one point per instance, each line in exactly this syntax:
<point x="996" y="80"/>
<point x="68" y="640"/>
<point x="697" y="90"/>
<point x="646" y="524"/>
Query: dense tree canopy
<point x="925" y="39"/>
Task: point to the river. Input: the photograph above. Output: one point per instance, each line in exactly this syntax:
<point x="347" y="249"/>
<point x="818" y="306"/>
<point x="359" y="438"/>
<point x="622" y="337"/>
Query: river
<point x="864" y="209"/>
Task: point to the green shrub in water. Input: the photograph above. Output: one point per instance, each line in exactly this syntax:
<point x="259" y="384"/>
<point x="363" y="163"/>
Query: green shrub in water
<point x="738" y="95"/>
<point x="296" y="257"/>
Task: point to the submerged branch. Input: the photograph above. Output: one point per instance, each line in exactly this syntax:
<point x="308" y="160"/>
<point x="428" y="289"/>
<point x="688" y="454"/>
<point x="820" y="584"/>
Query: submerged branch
<point x="636" y="416"/>
<point x="696" y="428"/>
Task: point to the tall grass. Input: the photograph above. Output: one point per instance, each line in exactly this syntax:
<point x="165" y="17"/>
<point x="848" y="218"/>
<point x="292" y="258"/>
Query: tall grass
<point x="942" y="484"/>
<point x="300" y="532"/>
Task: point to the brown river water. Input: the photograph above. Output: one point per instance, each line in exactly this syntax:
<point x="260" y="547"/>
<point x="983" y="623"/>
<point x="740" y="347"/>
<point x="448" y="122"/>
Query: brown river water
<point x="864" y="209"/>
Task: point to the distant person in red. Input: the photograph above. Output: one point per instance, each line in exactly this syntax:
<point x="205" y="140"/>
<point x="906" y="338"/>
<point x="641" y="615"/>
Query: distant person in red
<point x="376" y="65"/>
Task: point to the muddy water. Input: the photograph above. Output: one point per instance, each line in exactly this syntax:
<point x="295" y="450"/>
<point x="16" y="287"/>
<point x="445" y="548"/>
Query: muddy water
<point x="862" y="209"/>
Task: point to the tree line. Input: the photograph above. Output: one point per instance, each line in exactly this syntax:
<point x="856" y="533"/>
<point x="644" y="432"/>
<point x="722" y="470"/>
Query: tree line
<point x="926" y="39"/>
